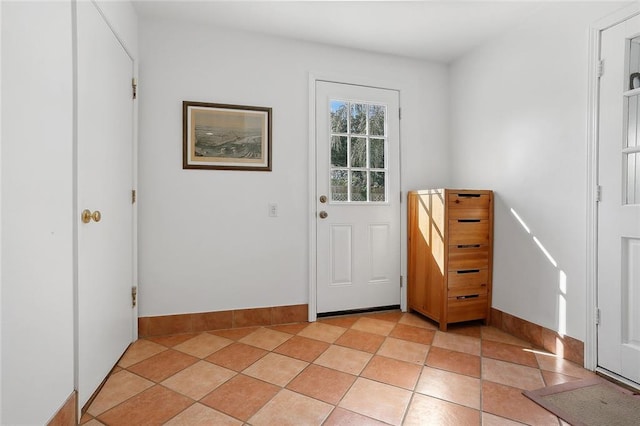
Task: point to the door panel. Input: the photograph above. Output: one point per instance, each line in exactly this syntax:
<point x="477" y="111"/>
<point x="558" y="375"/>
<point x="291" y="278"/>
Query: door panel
<point x="619" y="209"/>
<point x="105" y="177"/>
<point x="358" y="219"/>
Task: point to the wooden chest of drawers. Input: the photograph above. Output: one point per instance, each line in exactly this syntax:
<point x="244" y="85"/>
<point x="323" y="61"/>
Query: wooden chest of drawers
<point x="450" y="254"/>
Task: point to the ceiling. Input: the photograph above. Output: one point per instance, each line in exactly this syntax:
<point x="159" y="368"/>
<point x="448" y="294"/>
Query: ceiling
<point x="433" y="30"/>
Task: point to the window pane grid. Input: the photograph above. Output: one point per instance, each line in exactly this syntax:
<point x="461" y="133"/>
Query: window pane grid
<point x="631" y="143"/>
<point x="358" y="171"/>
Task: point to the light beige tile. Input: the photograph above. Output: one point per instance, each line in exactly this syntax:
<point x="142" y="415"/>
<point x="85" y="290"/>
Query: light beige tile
<point x="457" y="342"/>
<point x="427" y="411"/>
<point x="514" y="375"/>
<point x="448" y="386"/>
<point x="341" y="417"/>
<point x="139" y="351"/>
<point x="343" y="359"/>
<point x="554" y="363"/>
<point x="404" y="350"/>
<point x="199" y="379"/>
<point x="374" y="326"/>
<point x="377" y="400"/>
<point x="203" y="345"/>
<point x="266" y="339"/>
<point x="276" y="369"/>
<point x="552" y="378"/>
<point x="489" y="419"/>
<point x="291" y="409"/>
<point x="324" y="332"/>
<point x="199" y="415"/>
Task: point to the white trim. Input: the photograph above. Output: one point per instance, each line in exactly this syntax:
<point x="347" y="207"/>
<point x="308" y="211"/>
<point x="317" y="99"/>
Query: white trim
<point x="313" y="306"/>
<point x="590" y="344"/>
<point x="591" y="332"/>
<point x="354" y="81"/>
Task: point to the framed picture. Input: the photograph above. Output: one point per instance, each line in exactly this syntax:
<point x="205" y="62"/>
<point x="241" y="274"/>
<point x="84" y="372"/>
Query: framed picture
<point x="226" y="137"/>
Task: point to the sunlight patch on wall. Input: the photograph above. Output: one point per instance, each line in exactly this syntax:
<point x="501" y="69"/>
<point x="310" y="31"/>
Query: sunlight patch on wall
<point x="562" y="282"/>
<point x="546" y="252"/>
<point x="524" y="225"/>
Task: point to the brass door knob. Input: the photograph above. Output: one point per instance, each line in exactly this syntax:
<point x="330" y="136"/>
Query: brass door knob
<point x="323" y="215"/>
<point x="87" y="216"/>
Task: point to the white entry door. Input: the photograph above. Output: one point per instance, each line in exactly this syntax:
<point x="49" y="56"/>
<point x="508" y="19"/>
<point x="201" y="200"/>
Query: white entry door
<point x="619" y="209"/>
<point x="357" y="197"/>
<point x="105" y="179"/>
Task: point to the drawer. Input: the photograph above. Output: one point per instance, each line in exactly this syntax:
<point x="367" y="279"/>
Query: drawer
<point x="467" y="308"/>
<point x="455" y="213"/>
<point x="469" y="200"/>
<point x="471" y="290"/>
<point x="467" y="256"/>
<point x="468" y="231"/>
<point x="467" y="277"/>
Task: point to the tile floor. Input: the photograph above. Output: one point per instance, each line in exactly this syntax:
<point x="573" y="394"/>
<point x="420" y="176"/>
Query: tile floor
<point x="387" y="368"/>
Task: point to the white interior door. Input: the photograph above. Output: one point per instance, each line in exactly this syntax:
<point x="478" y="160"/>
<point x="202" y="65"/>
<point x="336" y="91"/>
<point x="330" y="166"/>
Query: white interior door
<point x="357" y="197"/>
<point x="619" y="209"/>
<point x="105" y="179"/>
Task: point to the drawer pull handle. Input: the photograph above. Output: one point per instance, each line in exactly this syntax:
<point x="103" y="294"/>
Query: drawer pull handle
<point x="468" y="271"/>
<point x="468" y="220"/>
<point x="469" y="195"/>
<point x="471" y="296"/>
<point x="464" y="246"/>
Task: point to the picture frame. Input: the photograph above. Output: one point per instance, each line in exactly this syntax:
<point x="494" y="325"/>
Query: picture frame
<point x="226" y="137"/>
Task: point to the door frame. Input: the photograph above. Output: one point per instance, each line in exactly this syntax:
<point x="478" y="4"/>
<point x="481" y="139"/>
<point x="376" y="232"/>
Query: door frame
<point x="129" y="50"/>
<point x="593" y="113"/>
<point x="313" y="267"/>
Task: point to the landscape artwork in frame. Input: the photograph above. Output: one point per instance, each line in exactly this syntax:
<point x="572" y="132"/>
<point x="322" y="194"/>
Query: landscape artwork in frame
<point x="226" y="137"/>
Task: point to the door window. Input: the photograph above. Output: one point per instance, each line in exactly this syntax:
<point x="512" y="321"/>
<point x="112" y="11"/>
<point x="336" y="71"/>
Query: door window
<point x="631" y="147"/>
<point x="358" y="171"/>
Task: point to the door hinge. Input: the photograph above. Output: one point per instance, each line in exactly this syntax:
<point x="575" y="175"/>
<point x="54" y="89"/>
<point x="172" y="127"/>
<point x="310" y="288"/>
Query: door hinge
<point x="134" y="296"/>
<point x="600" y="68"/>
<point x="598" y="193"/>
<point x="134" y="87"/>
<point x="401" y="281"/>
<point x="400" y="197"/>
<point x="597" y="316"/>
<point x="133" y="196"/>
<point x="399" y="113"/>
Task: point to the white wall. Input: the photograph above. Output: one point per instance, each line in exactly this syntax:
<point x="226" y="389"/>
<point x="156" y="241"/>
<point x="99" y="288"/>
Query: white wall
<point x="37" y="267"/>
<point x="206" y="241"/>
<point x="519" y="120"/>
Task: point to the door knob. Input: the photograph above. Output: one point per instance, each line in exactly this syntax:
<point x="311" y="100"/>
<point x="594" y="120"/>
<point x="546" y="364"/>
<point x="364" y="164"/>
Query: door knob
<point x="87" y="216"/>
<point x="323" y="199"/>
<point x="323" y="215"/>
